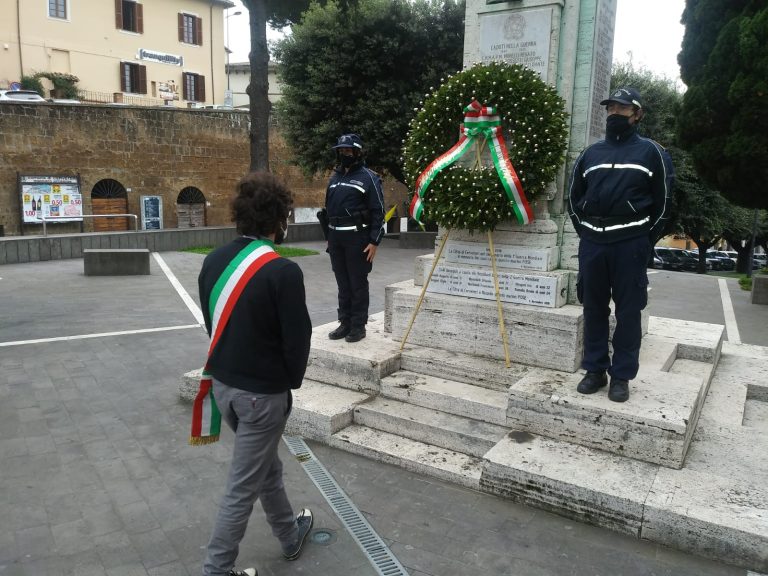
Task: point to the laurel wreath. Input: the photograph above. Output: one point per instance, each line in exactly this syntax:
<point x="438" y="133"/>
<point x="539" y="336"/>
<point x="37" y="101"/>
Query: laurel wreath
<point x="534" y="125"/>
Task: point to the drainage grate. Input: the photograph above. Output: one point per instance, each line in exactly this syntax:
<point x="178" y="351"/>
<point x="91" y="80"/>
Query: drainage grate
<point x="373" y="546"/>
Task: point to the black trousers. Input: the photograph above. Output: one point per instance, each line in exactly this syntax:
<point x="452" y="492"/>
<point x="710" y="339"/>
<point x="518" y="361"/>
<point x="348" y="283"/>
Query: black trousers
<point x="613" y="271"/>
<point x="351" y="270"/>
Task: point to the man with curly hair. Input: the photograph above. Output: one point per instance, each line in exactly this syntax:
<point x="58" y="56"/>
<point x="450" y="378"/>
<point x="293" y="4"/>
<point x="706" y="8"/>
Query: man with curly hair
<point x="256" y="359"/>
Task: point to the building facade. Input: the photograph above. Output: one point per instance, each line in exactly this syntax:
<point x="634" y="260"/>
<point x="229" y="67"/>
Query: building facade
<point x="122" y="51"/>
<point x="238" y="78"/>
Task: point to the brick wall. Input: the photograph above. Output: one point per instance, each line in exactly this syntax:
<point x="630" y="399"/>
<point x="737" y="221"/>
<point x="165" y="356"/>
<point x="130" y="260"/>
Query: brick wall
<point x="150" y="151"/>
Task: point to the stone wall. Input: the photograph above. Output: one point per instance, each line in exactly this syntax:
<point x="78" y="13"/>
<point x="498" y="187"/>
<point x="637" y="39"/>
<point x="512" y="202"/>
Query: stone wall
<point x="150" y="151"/>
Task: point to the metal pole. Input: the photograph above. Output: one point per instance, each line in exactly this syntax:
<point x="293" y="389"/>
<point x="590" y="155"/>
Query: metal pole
<point x="226" y="47"/>
<point x="752" y="245"/>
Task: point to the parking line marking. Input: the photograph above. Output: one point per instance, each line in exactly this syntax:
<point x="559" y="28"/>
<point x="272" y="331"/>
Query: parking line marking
<point x="99" y="335"/>
<point x="191" y="304"/>
<point x="731" y="327"/>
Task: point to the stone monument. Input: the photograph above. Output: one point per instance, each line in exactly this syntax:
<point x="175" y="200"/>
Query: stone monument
<point x="677" y="464"/>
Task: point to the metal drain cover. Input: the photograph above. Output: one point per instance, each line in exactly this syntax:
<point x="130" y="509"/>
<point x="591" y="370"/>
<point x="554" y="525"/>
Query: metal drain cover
<point x="323" y="537"/>
<point x="384" y="562"/>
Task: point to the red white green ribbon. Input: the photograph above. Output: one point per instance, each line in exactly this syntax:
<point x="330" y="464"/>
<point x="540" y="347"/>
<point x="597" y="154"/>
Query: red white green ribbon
<point x="206" y="418"/>
<point x="478" y="121"/>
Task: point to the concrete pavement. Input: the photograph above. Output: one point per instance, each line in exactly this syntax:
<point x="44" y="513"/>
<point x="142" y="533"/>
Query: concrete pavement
<point x="96" y="477"/>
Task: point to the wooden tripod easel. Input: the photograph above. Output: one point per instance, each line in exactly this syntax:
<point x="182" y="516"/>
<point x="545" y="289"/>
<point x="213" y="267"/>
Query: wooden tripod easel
<point x="477" y="164"/>
<point x="502" y="328"/>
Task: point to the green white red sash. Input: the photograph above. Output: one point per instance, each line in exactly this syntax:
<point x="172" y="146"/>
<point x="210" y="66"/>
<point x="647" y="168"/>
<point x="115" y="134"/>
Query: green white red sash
<point x="206" y="418"/>
<point x="478" y="121"/>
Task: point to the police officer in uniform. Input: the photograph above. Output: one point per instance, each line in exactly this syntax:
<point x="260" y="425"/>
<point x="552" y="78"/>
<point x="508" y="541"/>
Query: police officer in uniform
<point x="354" y="204"/>
<point x="618" y="199"/>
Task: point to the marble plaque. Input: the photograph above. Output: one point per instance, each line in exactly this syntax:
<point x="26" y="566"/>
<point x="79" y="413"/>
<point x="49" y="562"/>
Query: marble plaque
<point x="601" y="66"/>
<point x="477" y="282"/>
<point x="517" y="37"/>
<point x="507" y="256"/>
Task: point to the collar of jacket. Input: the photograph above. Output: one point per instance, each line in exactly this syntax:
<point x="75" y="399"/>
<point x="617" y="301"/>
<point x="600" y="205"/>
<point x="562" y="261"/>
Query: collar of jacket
<point x="353" y="168"/>
<point x="624" y="136"/>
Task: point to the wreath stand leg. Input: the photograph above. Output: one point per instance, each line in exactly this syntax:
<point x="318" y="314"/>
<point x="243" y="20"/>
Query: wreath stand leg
<point x="424" y="288"/>
<point x="498" y="300"/>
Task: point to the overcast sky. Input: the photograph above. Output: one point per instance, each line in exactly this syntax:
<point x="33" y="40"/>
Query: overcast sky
<point x="647" y="31"/>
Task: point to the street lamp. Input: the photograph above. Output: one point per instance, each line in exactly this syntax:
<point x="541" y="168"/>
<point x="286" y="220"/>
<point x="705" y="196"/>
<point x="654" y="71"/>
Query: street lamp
<point x="226" y="47"/>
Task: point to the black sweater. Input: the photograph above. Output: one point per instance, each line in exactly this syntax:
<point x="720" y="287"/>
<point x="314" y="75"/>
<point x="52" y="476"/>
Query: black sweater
<point x="265" y="346"/>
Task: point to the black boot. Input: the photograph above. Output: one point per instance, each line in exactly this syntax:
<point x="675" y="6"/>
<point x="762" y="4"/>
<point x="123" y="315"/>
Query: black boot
<point x="356" y="334"/>
<point x="340" y="332"/>
<point x="592" y="382"/>
<point x="619" y="390"/>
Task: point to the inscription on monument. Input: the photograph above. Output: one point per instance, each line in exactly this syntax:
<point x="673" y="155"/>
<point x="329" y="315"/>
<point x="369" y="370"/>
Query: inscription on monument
<point x="478" y="283"/>
<point x="507" y="256"/>
<point x="519" y="37"/>
<point x="603" y="55"/>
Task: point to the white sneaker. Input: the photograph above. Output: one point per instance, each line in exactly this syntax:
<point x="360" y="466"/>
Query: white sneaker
<point x="246" y="572"/>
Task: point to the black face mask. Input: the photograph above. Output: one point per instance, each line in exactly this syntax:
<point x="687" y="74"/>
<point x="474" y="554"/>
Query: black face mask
<point x="347" y="161"/>
<point x="616" y="125"/>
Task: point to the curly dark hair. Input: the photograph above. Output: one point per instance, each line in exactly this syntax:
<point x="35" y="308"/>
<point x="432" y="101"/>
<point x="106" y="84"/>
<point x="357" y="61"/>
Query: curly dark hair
<point x="262" y="204"/>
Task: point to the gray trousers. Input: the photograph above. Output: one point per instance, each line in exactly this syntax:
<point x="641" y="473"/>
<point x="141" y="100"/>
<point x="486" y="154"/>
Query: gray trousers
<point x="258" y="421"/>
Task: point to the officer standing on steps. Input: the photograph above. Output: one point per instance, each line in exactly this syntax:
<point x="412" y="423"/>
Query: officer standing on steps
<point x="617" y="201"/>
<point x="354" y="205"/>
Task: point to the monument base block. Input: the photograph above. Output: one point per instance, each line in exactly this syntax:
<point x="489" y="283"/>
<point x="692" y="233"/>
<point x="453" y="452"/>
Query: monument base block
<point x="649" y="467"/>
<point x="549" y="337"/>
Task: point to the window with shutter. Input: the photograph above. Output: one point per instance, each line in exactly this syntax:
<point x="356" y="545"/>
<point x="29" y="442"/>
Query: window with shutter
<point x="133" y="78"/>
<point x="129" y="16"/>
<point x="190" y="29"/>
<point x="194" y="87"/>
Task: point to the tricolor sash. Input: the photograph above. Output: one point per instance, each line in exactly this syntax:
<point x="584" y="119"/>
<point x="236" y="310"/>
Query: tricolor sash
<point x="206" y="418"/>
<point x="478" y="121"/>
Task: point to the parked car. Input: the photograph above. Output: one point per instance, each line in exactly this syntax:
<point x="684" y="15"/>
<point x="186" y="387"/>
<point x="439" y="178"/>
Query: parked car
<point x="691" y="261"/>
<point x="669" y="260"/>
<point x="655" y="262"/>
<point x="724" y="261"/>
<point x="712" y="262"/>
<point x="20" y="96"/>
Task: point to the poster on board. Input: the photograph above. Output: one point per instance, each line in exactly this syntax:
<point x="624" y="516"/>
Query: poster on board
<point x="55" y="198"/>
<point x="151" y="212"/>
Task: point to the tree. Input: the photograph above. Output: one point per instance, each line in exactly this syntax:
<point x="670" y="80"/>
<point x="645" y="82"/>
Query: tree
<point x="661" y="101"/>
<point x="738" y="232"/>
<point x="696" y="209"/>
<point x="701" y="211"/>
<point x="277" y="13"/>
<point x="723" y="122"/>
<point x="363" y="68"/>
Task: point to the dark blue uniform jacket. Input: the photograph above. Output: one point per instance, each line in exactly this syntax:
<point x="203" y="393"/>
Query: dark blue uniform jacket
<point x="620" y="189"/>
<point x="357" y="191"/>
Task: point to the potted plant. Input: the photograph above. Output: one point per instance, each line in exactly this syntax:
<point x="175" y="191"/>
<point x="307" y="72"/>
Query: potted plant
<point x="64" y="85"/>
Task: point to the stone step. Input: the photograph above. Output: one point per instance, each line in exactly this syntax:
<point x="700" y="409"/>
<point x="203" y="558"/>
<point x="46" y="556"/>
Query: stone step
<point x="655" y="425"/>
<point x="724" y="518"/>
<point x="359" y="366"/>
<point x="582" y="483"/>
<point x="697" y="341"/>
<point x="448" y="396"/>
<point x="409" y="454"/>
<point x="483" y="372"/>
<point x="320" y="410"/>
<point x="448" y="431"/>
